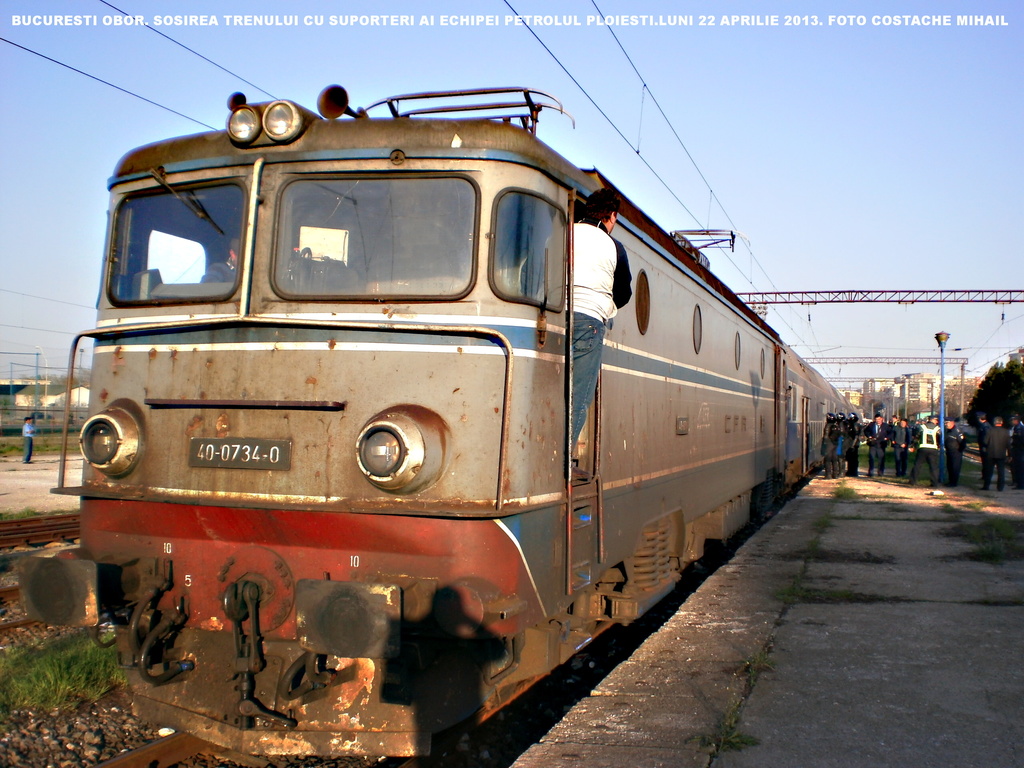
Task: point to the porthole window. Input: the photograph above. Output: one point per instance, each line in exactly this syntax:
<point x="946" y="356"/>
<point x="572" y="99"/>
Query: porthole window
<point x="698" y="329"/>
<point x="643" y="302"/>
<point x="737" y="350"/>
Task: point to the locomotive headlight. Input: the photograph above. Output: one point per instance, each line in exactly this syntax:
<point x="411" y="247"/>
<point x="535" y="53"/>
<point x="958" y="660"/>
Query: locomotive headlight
<point x="403" y="449"/>
<point x="110" y="441"/>
<point x="381" y="452"/>
<point x="244" y="125"/>
<point x="282" y="121"/>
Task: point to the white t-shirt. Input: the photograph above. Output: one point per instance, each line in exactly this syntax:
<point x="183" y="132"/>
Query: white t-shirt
<point x="594" y="260"/>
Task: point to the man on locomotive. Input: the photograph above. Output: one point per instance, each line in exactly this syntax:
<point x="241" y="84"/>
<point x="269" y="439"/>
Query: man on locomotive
<point x="601" y="285"/>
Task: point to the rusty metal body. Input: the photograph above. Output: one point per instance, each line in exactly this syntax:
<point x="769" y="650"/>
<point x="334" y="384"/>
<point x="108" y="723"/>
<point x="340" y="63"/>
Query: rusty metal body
<point x="328" y="506"/>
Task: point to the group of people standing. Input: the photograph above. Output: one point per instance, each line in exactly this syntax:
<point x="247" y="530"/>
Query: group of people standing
<point x="840" y="444"/>
<point x="997" y="444"/>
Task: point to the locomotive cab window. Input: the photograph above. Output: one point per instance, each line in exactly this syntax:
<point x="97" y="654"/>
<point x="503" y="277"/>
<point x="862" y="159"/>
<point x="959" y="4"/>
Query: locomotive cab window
<point x="177" y="246"/>
<point x="380" y="238"/>
<point x="529" y="250"/>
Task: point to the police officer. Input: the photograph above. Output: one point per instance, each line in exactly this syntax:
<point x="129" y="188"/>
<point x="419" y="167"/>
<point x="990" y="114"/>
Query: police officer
<point x="955" y="443"/>
<point x="997" y="441"/>
<point x="1017" y="451"/>
<point x="986" y="465"/>
<point x="927" y="446"/>
<point x="851" y="444"/>
<point x="831" y="445"/>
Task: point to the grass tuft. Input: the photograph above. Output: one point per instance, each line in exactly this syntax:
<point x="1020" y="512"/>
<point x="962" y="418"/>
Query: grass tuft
<point x="994" y="540"/>
<point x="728" y="736"/>
<point x="20" y="514"/>
<point x="57" y="675"/>
<point x="845" y="493"/>
<point x="757" y="664"/>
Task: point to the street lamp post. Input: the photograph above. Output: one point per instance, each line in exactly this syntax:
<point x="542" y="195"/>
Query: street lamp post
<point x="942" y="337"/>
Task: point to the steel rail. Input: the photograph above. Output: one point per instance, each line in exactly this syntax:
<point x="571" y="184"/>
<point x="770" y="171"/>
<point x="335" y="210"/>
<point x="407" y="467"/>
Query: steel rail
<point x="39" y="530"/>
<point x="162" y="753"/>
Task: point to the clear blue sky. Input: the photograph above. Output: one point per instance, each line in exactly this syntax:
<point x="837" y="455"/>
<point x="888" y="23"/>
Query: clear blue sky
<point x="853" y="156"/>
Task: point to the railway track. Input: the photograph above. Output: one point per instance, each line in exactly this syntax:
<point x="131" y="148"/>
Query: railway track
<point x="24" y="531"/>
<point x="39" y="530"/>
<point x="162" y="753"/>
<point x="178" y="747"/>
<point x="10" y="595"/>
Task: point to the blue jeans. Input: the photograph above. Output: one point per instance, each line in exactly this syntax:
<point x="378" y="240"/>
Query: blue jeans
<point x="587" y="343"/>
<point x="28" y="450"/>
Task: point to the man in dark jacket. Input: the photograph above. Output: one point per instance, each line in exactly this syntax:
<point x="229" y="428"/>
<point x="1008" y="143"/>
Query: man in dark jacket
<point x="955" y="441"/>
<point x="831" y="446"/>
<point x="902" y="437"/>
<point x="1017" y="452"/>
<point x="851" y="444"/>
<point x="983" y="428"/>
<point x="878" y="435"/>
<point x="998" y="445"/>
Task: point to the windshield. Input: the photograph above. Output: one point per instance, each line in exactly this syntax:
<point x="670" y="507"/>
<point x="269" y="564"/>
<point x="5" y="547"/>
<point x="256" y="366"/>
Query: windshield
<point x="181" y="244"/>
<point x="376" y="238"/>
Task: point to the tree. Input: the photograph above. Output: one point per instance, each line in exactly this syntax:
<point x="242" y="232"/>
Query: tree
<point x="1002" y="391"/>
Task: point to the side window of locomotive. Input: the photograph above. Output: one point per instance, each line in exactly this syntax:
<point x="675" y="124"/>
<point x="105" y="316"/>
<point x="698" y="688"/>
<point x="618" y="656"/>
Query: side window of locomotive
<point x="361" y="238"/>
<point x="528" y="260"/>
<point x="177" y="247"/>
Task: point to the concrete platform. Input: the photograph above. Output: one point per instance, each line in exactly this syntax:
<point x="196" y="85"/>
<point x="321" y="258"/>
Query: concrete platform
<point x="847" y="632"/>
<point x="27" y="486"/>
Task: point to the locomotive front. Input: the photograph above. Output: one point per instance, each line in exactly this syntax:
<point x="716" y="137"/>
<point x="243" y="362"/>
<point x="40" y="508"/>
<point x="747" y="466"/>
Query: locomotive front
<point x="320" y="344"/>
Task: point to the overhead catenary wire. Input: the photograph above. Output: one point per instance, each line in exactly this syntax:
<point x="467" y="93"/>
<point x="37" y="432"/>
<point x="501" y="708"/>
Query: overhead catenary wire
<point x="711" y="192"/>
<point x="108" y="83"/>
<point x="193" y="52"/>
<point x="636" y="149"/>
<point x="603" y="114"/>
<point x="45" y="298"/>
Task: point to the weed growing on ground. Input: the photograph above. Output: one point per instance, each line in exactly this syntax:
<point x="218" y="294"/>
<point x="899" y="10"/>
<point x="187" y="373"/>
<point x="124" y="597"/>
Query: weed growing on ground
<point x="728" y="736"/>
<point x="756" y="664"/>
<point x="823" y="523"/>
<point x="57" y="675"/>
<point x="976" y="506"/>
<point x="994" y="540"/>
<point x="845" y="493"/>
<point x="19" y="515"/>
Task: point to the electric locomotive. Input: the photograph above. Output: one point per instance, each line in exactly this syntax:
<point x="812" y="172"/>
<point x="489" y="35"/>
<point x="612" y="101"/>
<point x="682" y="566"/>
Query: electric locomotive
<point x="328" y="504"/>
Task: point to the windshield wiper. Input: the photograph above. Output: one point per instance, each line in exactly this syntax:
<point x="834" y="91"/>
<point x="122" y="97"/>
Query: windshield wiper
<point x="191" y="202"/>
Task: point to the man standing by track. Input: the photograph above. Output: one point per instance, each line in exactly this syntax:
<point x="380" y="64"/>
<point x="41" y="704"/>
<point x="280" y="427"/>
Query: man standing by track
<point x="1017" y="451"/>
<point x="28" y="432"/>
<point x="878" y="436"/>
<point x="928" y="451"/>
<point x="998" y="444"/>
<point x="851" y="445"/>
<point x="983" y="429"/>
<point x="954" y="441"/>
<point x="901" y="439"/>
<point x="831" y="446"/>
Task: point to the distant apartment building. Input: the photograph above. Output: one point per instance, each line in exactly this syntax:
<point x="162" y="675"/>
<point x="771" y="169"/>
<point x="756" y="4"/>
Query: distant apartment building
<point x="920" y="387"/>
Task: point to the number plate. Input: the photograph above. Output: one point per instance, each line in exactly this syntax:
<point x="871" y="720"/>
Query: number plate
<point x="240" y="453"/>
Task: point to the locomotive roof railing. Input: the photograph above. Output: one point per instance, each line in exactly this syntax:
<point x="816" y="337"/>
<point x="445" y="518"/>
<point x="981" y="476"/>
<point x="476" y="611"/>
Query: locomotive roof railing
<point x="500" y="110"/>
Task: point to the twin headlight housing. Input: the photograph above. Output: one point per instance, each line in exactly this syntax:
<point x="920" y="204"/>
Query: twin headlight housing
<point x="282" y="121"/>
